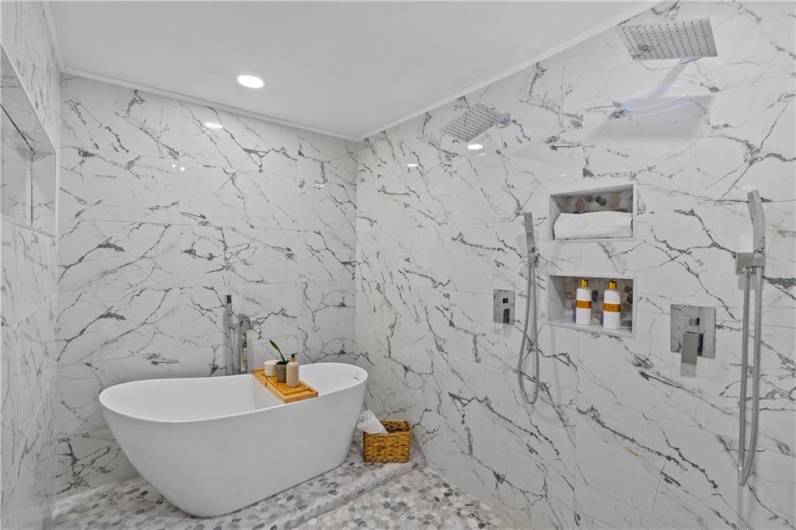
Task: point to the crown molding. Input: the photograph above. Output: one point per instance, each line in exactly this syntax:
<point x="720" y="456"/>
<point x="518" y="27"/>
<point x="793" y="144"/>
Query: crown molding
<point x="204" y="102"/>
<point x="591" y="32"/>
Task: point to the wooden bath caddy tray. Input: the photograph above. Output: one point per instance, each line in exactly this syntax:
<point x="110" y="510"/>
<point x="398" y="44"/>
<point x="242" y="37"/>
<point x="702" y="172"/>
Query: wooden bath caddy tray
<point x="282" y="391"/>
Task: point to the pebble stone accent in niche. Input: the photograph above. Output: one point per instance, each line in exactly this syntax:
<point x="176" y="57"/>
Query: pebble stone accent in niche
<point x="134" y="504"/>
<point x="621" y="201"/>
<point x="420" y="499"/>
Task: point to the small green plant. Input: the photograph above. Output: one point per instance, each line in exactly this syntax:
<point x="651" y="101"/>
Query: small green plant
<point x="275" y="346"/>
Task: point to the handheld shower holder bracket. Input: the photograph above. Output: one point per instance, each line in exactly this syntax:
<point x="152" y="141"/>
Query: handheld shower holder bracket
<point x="745" y="261"/>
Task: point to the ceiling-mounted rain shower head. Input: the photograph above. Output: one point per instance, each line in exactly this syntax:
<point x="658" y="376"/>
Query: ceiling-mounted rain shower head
<point x="475" y="122"/>
<point x="686" y="39"/>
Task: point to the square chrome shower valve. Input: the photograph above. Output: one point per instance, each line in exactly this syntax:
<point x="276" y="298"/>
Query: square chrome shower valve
<point x="689" y="323"/>
<point x="503" y="306"/>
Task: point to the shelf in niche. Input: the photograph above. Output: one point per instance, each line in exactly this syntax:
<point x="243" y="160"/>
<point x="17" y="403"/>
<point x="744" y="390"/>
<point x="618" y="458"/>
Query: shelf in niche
<point x="561" y="302"/>
<point x="609" y="196"/>
<point x="594" y="328"/>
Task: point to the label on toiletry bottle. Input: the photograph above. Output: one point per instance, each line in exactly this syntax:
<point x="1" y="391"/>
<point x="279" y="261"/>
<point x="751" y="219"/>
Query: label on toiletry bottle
<point x="612" y="307"/>
<point x="292" y="376"/>
<point x="583" y="304"/>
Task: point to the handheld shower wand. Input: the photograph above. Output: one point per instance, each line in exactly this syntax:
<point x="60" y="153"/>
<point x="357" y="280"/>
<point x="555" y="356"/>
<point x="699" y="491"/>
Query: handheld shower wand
<point x="530" y="298"/>
<point x="748" y="264"/>
<point x="529" y="238"/>
<point x="758" y="217"/>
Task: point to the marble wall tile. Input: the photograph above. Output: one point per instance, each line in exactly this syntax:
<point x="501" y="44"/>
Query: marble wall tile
<point x="598" y="509"/>
<point x="29" y="348"/>
<point x="344" y="252"/>
<point x="28" y="496"/>
<point x="620" y="437"/>
<point x="675" y="472"/>
<point x="161" y="218"/>
<point x="103" y="255"/>
<point x="107" y="325"/>
<point x="29" y="297"/>
<point x="27" y="41"/>
<point x="128" y="122"/>
<point x="531" y="490"/>
<point x="89" y="459"/>
<point x="29" y="260"/>
<point x="78" y="385"/>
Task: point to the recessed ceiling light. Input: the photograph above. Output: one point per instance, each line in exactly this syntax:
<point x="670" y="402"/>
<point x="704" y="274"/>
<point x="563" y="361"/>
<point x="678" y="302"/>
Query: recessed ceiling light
<point x="475" y="147"/>
<point x="250" y="81"/>
<point x="182" y="168"/>
<point x="411" y="164"/>
<point x="212" y="125"/>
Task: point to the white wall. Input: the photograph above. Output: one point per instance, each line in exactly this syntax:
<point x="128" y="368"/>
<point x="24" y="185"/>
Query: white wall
<point x="619" y="438"/>
<point x="149" y="251"/>
<point x="28" y="298"/>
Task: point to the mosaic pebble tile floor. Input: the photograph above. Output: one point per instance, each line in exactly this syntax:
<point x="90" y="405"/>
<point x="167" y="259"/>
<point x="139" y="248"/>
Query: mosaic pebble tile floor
<point x="134" y="504"/>
<point x="419" y="499"/>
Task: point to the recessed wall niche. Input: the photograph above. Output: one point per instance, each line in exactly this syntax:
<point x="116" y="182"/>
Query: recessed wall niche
<point x="580" y="206"/>
<point x="27" y="158"/>
<point x="561" y="303"/>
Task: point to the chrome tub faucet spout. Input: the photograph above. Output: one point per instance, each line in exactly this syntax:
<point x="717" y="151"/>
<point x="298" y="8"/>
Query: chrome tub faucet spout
<point x="236" y="328"/>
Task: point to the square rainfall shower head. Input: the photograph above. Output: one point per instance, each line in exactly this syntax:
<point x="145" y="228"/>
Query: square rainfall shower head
<point x="686" y="39"/>
<point x="474" y="122"/>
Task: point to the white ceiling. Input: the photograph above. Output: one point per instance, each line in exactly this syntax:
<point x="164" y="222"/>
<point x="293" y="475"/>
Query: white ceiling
<point x="348" y="69"/>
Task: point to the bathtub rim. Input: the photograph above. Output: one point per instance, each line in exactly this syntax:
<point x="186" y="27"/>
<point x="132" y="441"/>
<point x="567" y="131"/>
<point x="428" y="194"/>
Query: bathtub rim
<point x="105" y="407"/>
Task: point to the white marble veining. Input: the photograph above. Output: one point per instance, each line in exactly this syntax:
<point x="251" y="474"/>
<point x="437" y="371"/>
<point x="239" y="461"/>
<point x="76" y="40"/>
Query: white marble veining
<point x="342" y="251"/>
<point x="160" y="219"/>
<point x="619" y="439"/>
<point x="27" y="41"/>
<point x="29" y="297"/>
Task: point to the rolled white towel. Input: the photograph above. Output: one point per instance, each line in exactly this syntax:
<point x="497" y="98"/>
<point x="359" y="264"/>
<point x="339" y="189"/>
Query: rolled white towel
<point x="369" y="423"/>
<point x="593" y="225"/>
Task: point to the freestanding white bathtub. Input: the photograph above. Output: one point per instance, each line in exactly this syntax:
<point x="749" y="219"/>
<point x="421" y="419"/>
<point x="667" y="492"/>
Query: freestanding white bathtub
<point x="212" y="445"/>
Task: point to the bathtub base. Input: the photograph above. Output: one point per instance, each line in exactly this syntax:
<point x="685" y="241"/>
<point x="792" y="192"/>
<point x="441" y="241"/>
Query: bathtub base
<point x="215" y="465"/>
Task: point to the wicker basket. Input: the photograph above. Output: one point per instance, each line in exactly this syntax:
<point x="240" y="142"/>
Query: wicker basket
<point x="394" y="446"/>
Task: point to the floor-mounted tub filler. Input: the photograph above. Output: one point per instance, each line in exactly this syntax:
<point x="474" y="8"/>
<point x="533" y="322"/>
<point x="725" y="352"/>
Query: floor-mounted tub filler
<point x="212" y="445"/>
